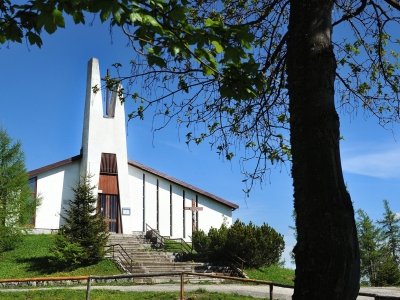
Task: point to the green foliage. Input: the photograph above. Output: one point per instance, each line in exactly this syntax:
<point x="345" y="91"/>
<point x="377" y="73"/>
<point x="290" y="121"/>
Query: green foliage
<point x="379" y="247"/>
<point x="67" y="255"/>
<point x="369" y="239"/>
<point x="16" y="203"/>
<point x="391" y="231"/>
<point x="82" y="240"/>
<point x="258" y="246"/>
<point x="388" y="273"/>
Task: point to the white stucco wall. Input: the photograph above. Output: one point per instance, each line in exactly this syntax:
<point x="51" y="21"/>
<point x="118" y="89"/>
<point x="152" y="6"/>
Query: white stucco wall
<point x="53" y="187"/>
<point x="212" y="215"/>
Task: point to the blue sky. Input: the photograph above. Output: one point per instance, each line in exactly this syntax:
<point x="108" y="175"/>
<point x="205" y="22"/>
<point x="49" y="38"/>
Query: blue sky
<point x="42" y="100"/>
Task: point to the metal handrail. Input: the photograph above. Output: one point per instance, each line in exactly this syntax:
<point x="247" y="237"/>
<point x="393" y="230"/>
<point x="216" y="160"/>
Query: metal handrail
<point x="184" y="246"/>
<point x="157" y="234"/>
<point x="127" y="258"/>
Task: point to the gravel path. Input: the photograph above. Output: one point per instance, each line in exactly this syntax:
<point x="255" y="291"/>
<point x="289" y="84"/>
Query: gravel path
<point x="257" y="291"/>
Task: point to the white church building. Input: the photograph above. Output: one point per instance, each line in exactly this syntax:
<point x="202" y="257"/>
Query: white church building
<point x="131" y="196"/>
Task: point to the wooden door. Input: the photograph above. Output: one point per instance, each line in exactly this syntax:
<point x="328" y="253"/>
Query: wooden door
<point x="108" y="207"/>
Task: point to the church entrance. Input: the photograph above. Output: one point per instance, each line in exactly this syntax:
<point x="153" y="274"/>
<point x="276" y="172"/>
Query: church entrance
<point x="108" y="207"/>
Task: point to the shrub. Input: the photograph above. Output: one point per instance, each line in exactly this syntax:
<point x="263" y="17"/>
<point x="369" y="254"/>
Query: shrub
<point x="258" y="246"/>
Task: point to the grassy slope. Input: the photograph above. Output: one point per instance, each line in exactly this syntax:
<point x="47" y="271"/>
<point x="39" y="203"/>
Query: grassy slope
<point x="30" y="260"/>
<point x="272" y="273"/>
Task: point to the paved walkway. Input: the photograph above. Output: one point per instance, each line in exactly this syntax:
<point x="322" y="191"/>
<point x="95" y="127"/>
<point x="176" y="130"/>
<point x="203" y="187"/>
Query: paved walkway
<point x="257" y="291"/>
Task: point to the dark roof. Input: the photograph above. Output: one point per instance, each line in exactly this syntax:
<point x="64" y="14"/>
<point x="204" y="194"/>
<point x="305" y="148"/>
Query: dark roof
<point x="35" y="172"/>
<point x="183" y="184"/>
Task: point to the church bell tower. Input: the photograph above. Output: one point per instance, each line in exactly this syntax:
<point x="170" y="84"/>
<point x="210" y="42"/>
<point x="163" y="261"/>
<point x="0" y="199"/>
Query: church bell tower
<point x="104" y="151"/>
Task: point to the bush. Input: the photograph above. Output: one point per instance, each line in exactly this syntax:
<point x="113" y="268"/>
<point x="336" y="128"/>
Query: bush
<point x="258" y="246"/>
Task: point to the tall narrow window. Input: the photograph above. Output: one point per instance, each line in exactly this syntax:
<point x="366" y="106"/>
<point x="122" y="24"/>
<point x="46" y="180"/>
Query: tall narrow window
<point x="183" y="209"/>
<point x="144" y="202"/>
<point x="197" y="212"/>
<point x="170" y="210"/>
<point x="33" y="185"/>
<point x="158" y="206"/>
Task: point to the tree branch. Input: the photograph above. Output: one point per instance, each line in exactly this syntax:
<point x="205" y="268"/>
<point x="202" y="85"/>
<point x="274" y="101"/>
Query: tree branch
<point x="353" y="14"/>
<point x="393" y="3"/>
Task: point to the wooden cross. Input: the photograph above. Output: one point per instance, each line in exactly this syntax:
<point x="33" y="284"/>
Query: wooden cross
<point x="193" y="208"/>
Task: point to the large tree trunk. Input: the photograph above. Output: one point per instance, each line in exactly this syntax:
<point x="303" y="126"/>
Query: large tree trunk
<point x="327" y="255"/>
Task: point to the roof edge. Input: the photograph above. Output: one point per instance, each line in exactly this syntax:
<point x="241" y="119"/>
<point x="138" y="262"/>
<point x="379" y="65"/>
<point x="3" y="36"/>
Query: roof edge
<point x="35" y="172"/>
<point x="181" y="183"/>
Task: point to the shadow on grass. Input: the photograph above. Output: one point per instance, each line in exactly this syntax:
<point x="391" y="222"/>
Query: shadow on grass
<point x="39" y="265"/>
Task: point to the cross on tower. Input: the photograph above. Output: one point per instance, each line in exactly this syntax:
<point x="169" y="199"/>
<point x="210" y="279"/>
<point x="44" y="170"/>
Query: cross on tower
<point x="194" y="208"/>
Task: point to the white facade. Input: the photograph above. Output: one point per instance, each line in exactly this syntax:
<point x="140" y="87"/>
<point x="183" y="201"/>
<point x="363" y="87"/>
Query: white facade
<point x="132" y="195"/>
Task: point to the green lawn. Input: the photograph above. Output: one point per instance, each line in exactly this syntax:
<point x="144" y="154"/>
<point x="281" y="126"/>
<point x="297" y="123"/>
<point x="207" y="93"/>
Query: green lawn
<point x="117" y="295"/>
<point x="272" y="273"/>
<point x="30" y="260"/>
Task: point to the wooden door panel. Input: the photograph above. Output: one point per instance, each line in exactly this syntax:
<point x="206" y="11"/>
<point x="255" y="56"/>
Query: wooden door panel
<point x="108" y="207"/>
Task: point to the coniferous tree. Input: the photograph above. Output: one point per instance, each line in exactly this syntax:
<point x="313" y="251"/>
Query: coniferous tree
<point x="388" y="273"/>
<point x="370" y="242"/>
<point x="391" y="231"/>
<point x="17" y="205"/>
<point x="83" y="237"/>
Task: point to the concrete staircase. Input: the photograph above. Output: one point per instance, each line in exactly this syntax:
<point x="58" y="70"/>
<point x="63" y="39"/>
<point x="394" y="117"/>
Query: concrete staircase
<point x="135" y="255"/>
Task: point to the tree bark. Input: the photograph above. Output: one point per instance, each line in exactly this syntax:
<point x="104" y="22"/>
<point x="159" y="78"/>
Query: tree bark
<point x="327" y="254"/>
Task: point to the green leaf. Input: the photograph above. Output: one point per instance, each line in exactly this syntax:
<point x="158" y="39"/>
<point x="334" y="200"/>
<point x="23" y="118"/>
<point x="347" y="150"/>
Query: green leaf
<point x="78" y="17"/>
<point x="133" y="17"/>
<point x="211" y="23"/>
<point x="50" y="26"/>
<point x="178" y="13"/>
<point x="34" y="39"/>
<point x="217" y="46"/>
<point x="155" y="60"/>
<point x="154" y="23"/>
<point x="117" y="16"/>
<point x="58" y="18"/>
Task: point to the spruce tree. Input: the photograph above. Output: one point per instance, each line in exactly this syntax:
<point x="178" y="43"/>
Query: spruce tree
<point x="83" y="237"/>
<point x="17" y="205"/>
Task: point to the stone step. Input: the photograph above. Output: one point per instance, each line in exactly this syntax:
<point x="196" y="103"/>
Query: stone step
<point x="149" y="261"/>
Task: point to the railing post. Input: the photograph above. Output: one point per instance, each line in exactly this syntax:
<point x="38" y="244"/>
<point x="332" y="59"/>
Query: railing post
<point x="182" y="286"/>
<point x="271" y="291"/>
<point x="88" y="288"/>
